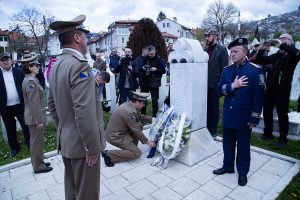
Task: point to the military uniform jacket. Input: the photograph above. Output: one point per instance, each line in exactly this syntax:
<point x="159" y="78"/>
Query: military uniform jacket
<point x="72" y="104"/>
<point x="99" y="112"/>
<point x="126" y="120"/>
<point x="242" y="105"/>
<point x="35" y="108"/>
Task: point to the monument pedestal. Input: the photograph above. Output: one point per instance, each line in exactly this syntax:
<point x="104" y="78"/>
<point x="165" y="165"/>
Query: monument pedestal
<point x="200" y="146"/>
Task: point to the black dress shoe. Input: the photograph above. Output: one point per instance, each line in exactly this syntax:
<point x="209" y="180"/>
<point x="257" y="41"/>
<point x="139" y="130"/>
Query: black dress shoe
<point x="222" y="171"/>
<point x="242" y="180"/>
<point x="14" y="153"/>
<point x="45" y="170"/>
<point x="107" y="160"/>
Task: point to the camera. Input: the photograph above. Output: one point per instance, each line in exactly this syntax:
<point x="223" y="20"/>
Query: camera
<point x="147" y="69"/>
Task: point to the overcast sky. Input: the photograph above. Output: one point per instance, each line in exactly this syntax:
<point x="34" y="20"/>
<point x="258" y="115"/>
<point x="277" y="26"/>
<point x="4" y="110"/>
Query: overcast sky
<point x="101" y="13"/>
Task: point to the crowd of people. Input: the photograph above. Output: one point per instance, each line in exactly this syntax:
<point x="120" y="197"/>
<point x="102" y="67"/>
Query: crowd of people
<point x="256" y="80"/>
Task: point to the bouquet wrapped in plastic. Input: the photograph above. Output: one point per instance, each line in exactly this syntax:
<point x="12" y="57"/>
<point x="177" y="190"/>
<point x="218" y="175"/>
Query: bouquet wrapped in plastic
<point x="171" y="131"/>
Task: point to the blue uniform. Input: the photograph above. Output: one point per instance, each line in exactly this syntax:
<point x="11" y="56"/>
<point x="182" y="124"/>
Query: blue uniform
<point x="241" y="106"/>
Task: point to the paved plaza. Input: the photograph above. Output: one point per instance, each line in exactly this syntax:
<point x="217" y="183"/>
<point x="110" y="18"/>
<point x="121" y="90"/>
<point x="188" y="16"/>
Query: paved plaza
<point x="269" y="174"/>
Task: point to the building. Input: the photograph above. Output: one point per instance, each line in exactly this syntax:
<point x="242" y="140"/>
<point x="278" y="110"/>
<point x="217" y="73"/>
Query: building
<point x="4" y="40"/>
<point x="54" y="46"/>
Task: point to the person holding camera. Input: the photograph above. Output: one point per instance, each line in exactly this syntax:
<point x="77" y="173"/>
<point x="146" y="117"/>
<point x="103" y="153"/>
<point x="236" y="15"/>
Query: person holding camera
<point x="280" y="69"/>
<point x="127" y="81"/>
<point x="150" y="77"/>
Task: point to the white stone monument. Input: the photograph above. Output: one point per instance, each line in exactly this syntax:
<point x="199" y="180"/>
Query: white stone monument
<point x="111" y="91"/>
<point x="188" y="93"/>
<point x="4" y="133"/>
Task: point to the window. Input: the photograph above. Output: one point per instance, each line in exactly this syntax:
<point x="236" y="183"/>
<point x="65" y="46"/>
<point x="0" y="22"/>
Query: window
<point x="164" y="25"/>
<point x="5" y="39"/>
<point x="122" y="31"/>
<point x="123" y="41"/>
<point x="168" y="24"/>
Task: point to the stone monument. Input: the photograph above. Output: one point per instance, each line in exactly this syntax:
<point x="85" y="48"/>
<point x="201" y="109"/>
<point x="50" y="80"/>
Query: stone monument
<point x="188" y="84"/>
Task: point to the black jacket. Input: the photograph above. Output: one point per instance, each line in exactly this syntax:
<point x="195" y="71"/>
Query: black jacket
<point x="149" y="78"/>
<point x="280" y="66"/>
<point x="124" y="71"/>
<point x="18" y="77"/>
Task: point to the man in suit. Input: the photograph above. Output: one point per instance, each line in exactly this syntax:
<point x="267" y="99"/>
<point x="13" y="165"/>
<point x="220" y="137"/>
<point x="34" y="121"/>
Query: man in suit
<point x="243" y="85"/>
<point x="72" y="103"/>
<point x="218" y="59"/>
<point x="124" y="130"/>
<point x="11" y="102"/>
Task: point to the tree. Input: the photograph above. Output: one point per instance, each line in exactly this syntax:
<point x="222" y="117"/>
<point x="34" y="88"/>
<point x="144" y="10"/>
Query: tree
<point x="218" y="16"/>
<point x="256" y="34"/>
<point x="161" y="16"/>
<point x="35" y="24"/>
<point x="146" y="33"/>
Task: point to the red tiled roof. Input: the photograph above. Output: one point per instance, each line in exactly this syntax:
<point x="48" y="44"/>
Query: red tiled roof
<point x="168" y="35"/>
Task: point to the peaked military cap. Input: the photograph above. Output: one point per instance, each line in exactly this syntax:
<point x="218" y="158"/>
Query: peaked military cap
<point x="65" y="26"/>
<point x="211" y="31"/>
<point x="4" y="55"/>
<point x="238" y="42"/>
<point x="140" y="95"/>
<point x="31" y="60"/>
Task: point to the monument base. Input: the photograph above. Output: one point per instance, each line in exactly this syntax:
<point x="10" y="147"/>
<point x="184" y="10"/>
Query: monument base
<point x="200" y="146"/>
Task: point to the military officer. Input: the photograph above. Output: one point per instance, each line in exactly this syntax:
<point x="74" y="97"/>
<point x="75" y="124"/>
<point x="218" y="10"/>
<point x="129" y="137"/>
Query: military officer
<point x="72" y="103"/>
<point x="124" y="130"/>
<point x="243" y="85"/>
<point x="35" y="113"/>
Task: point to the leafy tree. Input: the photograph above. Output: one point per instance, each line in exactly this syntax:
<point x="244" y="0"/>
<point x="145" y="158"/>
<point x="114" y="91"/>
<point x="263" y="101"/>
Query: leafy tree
<point x="277" y="35"/>
<point x="35" y="24"/>
<point x="200" y="35"/>
<point x="161" y="16"/>
<point x="146" y="33"/>
<point x="218" y="16"/>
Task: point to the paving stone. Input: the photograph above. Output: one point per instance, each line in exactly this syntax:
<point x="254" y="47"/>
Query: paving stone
<point x="176" y="170"/>
<point x="116" y="183"/>
<point x="4" y="174"/>
<point x="277" y="167"/>
<point x="33" y="187"/>
<point x="159" y="179"/>
<point x="142" y="189"/>
<point x="246" y="193"/>
<point x="119" y="168"/>
<point x="148" y="198"/>
<point x="199" y="195"/>
<point x="257" y="161"/>
<point x="57" y="192"/>
<point x="217" y="162"/>
<point x="39" y="195"/>
<point x="5" y="195"/>
<point x="140" y="161"/>
<point x="166" y="193"/>
<point x="121" y="194"/>
<point x="56" y="170"/>
<point x="103" y="191"/>
<point x="229" y="180"/>
<point x="59" y="177"/>
<point x="216" y="189"/>
<point x="201" y="174"/>
<point x="227" y="198"/>
<point x="262" y="181"/>
<point x="184" y="186"/>
<point x="140" y="173"/>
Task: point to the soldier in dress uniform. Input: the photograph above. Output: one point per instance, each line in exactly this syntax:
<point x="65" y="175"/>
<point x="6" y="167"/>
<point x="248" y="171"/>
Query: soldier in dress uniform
<point x="72" y="103"/>
<point x="35" y="113"/>
<point x="124" y="130"/>
<point x="243" y="85"/>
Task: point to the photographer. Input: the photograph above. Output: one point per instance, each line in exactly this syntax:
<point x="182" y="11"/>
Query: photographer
<point x="280" y="69"/>
<point x="127" y="81"/>
<point x="150" y="75"/>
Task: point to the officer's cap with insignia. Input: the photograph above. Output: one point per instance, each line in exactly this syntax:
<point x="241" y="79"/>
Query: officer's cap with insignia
<point x="65" y="26"/>
<point x="31" y="60"/>
<point x="238" y="42"/>
<point x="142" y="96"/>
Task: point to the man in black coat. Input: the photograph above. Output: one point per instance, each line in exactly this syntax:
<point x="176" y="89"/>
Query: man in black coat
<point x="11" y="102"/>
<point x="280" y="68"/>
<point x="218" y="59"/>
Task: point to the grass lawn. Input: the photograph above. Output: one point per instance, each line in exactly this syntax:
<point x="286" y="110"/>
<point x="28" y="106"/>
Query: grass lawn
<point x="291" y="192"/>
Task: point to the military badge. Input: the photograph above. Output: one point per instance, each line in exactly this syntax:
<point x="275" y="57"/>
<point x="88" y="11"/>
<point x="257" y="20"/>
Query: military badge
<point x="261" y="79"/>
<point x="31" y="86"/>
<point x="85" y="74"/>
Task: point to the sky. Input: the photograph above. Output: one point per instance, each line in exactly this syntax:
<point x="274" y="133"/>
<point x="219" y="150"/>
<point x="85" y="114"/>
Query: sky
<point x="101" y="13"/>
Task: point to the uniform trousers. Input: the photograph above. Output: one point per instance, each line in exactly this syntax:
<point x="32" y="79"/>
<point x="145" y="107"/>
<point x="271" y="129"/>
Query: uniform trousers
<point x="125" y="94"/>
<point x="10" y="125"/>
<point x="81" y="181"/>
<point x="128" y="146"/>
<point x="280" y="100"/>
<point x="37" y="147"/>
<point x="239" y="138"/>
<point x="212" y="111"/>
<point x="154" y="96"/>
